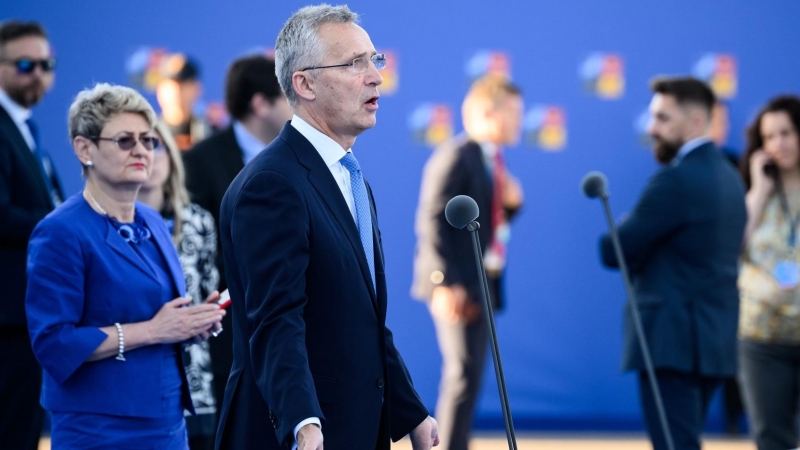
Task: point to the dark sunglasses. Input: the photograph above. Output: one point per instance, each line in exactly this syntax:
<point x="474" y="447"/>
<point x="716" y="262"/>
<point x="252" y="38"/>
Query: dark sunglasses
<point x="27" y="65"/>
<point x="128" y="142"/>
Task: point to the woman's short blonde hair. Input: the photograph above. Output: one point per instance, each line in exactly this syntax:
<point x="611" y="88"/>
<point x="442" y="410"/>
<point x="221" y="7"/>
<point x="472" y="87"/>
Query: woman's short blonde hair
<point x="94" y="107"/>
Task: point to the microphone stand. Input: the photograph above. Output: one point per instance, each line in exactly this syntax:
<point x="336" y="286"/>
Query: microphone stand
<point x="637" y="321"/>
<point x="498" y="365"/>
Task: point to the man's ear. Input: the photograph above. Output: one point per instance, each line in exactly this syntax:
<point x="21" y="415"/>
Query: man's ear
<point x="701" y="119"/>
<point x="304" y="85"/>
<point x="259" y="105"/>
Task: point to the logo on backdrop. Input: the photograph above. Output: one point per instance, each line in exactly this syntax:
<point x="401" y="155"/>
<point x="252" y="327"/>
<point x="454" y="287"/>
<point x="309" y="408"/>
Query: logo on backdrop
<point x="431" y="123"/>
<point x="144" y="67"/>
<point x="390" y="74"/>
<point x="719" y="71"/>
<point x="603" y="75"/>
<point x="485" y="62"/>
<point x="545" y="126"/>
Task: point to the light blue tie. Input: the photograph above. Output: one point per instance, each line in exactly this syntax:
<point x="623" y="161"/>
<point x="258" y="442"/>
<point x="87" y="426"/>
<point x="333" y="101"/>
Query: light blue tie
<point x="363" y="214"/>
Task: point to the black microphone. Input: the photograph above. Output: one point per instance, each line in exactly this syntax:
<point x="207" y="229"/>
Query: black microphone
<point x="594" y="186"/>
<point x="461" y="211"/>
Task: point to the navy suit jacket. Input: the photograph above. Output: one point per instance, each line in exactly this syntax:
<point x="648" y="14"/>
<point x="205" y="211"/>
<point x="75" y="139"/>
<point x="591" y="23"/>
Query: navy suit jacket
<point x="682" y="243"/>
<point x="24" y="201"/>
<point x="82" y="276"/>
<point x="309" y="330"/>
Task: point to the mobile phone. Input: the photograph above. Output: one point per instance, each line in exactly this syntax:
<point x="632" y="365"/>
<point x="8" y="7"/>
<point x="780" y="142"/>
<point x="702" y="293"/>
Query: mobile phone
<point x="770" y="169"/>
<point x="224" y="299"/>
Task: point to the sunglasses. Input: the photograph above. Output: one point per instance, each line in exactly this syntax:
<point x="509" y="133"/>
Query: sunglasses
<point x="129" y="142"/>
<point x="28" y="65"/>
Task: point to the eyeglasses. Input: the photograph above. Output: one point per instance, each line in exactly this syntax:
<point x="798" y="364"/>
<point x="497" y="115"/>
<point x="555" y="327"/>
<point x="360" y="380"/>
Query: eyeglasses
<point x="28" y="65"/>
<point x="359" y="64"/>
<point x="129" y="142"/>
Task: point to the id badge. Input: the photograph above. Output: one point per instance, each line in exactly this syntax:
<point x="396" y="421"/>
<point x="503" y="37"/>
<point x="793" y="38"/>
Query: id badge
<point x="787" y="274"/>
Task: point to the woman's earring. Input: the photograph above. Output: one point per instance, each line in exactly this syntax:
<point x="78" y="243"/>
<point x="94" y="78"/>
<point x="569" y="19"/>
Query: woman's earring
<point x="89" y="163"/>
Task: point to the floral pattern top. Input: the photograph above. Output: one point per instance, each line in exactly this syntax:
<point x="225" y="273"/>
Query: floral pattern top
<point x="197" y="251"/>
<point x="770" y="313"/>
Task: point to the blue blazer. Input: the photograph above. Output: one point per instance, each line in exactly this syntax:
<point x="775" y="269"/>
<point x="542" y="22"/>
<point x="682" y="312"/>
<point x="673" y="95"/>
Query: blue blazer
<point x="309" y="333"/>
<point x="82" y="276"/>
<point x="682" y="243"/>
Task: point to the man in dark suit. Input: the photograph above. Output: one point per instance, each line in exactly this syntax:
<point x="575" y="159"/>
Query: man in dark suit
<point x="682" y="242"/>
<point x="29" y="189"/>
<point x="445" y="274"/>
<point x="305" y="264"/>
<point x="259" y="109"/>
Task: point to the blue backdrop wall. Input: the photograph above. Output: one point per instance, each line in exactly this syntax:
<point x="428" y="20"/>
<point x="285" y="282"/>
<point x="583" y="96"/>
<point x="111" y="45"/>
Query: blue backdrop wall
<point x="584" y="68"/>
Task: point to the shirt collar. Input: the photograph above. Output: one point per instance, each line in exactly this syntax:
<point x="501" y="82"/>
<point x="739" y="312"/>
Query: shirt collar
<point x="328" y="149"/>
<point x="250" y="145"/>
<point x="489" y="149"/>
<point x="18" y="114"/>
<point x="689" y="147"/>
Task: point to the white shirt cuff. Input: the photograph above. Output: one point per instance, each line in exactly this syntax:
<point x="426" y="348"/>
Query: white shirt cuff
<point x="314" y="420"/>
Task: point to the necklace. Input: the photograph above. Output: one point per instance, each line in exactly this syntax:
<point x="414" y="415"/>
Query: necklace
<point x="135" y="232"/>
<point x="94" y="200"/>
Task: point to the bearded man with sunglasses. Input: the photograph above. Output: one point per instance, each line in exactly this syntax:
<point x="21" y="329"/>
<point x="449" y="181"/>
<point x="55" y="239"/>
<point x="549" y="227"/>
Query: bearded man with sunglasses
<point x="29" y="189"/>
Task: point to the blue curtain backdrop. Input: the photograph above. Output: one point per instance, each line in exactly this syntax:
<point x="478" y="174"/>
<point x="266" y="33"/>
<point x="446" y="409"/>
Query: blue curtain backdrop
<point x="584" y="67"/>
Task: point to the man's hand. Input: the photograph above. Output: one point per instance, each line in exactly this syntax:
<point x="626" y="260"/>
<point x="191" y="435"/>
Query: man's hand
<point x="309" y="437"/>
<point x="426" y="435"/>
<point x="451" y="303"/>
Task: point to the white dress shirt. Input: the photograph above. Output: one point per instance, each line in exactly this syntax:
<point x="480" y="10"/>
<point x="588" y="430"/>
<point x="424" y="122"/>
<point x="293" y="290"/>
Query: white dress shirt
<point x="331" y="153"/>
<point x="19" y="115"/>
<point x="251" y="146"/>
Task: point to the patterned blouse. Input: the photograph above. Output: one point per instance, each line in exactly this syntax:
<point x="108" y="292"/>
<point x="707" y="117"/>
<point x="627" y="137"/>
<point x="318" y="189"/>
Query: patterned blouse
<point x="197" y="250"/>
<point x="768" y="312"/>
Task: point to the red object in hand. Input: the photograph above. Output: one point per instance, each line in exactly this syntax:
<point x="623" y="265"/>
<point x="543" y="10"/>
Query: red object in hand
<point x="224" y="299"/>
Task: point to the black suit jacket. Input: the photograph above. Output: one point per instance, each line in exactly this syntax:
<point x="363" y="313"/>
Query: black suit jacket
<point x="309" y="329"/>
<point x="455" y="168"/>
<point x="24" y="201"/>
<point x="682" y="243"/>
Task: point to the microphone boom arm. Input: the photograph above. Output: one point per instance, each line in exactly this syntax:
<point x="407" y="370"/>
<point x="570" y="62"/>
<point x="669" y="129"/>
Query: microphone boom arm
<point x="498" y="365"/>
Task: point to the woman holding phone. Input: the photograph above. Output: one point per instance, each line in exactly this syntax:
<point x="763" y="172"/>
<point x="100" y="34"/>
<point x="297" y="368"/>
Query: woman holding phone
<point x="769" y="280"/>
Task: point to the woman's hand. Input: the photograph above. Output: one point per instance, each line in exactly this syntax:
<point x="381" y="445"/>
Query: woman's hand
<point x="178" y="322"/>
<point x="760" y="181"/>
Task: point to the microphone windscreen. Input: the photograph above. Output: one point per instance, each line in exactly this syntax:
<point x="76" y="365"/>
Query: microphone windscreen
<point x="594" y="184"/>
<point x="461" y="210"/>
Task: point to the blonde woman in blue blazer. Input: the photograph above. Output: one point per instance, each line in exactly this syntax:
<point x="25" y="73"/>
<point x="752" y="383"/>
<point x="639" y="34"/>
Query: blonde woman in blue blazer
<point x="105" y="301"/>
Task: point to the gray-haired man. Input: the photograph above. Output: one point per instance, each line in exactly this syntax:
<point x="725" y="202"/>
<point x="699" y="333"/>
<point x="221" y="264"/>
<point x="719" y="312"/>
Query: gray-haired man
<point x="305" y="265"/>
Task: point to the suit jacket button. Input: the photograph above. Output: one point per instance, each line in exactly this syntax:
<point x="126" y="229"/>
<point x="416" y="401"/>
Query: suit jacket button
<point x="380" y="383"/>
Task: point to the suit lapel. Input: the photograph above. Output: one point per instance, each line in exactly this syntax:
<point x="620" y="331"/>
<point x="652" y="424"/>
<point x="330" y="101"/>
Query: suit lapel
<point x="233" y="160"/>
<point x="115" y="241"/>
<point x="165" y="246"/>
<point x="380" y="269"/>
<point x="320" y="177"/>
<point x="9" y="128"/>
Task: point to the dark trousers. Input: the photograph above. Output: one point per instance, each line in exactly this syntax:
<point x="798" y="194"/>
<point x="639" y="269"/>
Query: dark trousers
<point x="21" y="415"/>
<point x="463" y="348"/>
<point x="770" y="377"/>
<point x="686" y="398"/>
